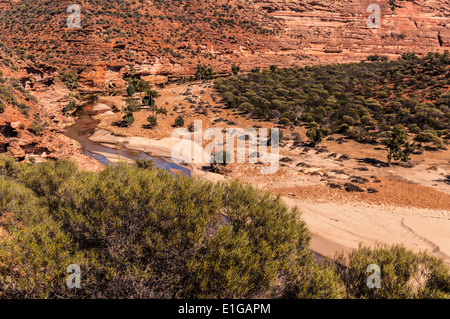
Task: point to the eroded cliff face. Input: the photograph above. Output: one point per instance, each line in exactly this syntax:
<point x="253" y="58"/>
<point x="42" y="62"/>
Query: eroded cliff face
<point x="165" y="41"/>
<point x="313" y="32"/>
<point x="337" y="31"/>
<point x="31" y="117"/>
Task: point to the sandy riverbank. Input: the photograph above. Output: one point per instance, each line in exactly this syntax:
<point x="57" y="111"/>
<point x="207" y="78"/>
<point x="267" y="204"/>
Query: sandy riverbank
<point x="155" y="147"/>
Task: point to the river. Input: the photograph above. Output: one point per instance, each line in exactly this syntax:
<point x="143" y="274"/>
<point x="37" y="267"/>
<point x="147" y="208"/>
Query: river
<point x="85" y="126"/>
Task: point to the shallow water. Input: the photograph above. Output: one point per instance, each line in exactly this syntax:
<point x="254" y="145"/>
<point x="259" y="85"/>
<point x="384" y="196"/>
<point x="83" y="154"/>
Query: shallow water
<point x="85" y="126"/>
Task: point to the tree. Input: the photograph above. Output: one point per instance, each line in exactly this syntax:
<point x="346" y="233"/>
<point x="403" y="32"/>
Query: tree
<point x="377" y="58"/>
<point x="149" y="98"/>
<point x="179" y="121"/>
<point x="128" y="119"/>
<point x="132" y="105"/>
<point x="399" y="148"/>
<point x="148" y="101"/>
<point x="131" y="90"/>
<point x="204" y="72"/>
<point x="316" y="134"/>
<point x="235" y="69"/>
<point x="139" y="85"/>
<point x="152" y="120"/>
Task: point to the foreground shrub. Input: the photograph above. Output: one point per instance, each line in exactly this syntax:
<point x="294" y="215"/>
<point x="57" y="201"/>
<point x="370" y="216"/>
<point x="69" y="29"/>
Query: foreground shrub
<point x="404" y="274"/>
<point x="137" y="231"/>
<point x="318" y="282"/>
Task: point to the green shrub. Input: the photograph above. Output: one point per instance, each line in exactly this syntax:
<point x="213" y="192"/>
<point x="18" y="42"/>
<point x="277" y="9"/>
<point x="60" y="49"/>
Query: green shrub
<point x="152" y="120"/>
<point x="204" y="72"/>
<point x="348" y="120"/>
<point x="72" y="105"/>
<point x="404" y="274"/>
<point x="36" y="129"/>
<point x="132" y="105"/>
<point x="429" y="137"/>
<point x="128" y="119"/>
<point x="70" y="80"/>
<point x="8" y="167"/>
<point x="144" y="164"/>
<point x="179" y="121"/>
<point x="318" y="282"/>
<point x="284" y="121"/>
<point x="161" y="110"/>
<point x="316" y="134"/>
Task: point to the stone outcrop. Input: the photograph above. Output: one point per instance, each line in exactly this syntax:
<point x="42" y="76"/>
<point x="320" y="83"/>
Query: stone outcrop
<point x="339" y="27"/>
<point x="297" y="32"/>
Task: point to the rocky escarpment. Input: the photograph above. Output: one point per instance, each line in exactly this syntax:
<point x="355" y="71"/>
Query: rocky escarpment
<point x="31" y="117"/>
<point x="337" y="30"/>
<point x="166" y="40"/>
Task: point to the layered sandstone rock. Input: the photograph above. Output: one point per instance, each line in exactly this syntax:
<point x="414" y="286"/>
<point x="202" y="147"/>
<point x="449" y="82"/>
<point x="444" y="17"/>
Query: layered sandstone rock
<point x="300" y="32"/>
<point x="339" y="27"/>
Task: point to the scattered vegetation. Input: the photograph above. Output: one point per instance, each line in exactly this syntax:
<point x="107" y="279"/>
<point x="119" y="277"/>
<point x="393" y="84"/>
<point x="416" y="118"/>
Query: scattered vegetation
<point x="363" y="101"/>
<point x="178" y="30"/>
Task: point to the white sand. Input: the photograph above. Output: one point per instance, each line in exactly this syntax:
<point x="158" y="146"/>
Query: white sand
<point x="336" y="227"/>
<point x="166" y="147"/>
